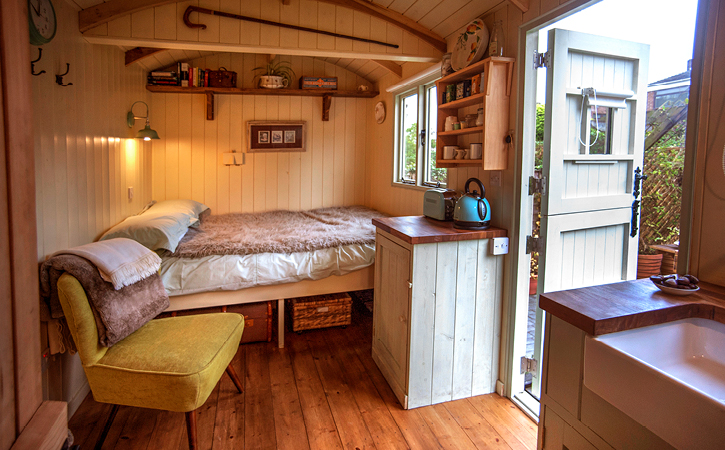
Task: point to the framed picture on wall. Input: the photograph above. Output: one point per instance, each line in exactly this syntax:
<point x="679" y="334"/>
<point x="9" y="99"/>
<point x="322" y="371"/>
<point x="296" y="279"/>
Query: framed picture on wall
<point x="280" y="136"/>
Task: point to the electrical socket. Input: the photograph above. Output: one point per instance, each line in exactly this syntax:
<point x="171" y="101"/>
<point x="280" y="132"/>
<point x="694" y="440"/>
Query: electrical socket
<point x="500" y="246"/>
<point x="494" y="178"/>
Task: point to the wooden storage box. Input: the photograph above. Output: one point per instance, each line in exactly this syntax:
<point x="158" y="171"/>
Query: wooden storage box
<point x="320" y="311"/>
<point x="318" y="82"/>
<point x="257" y="318"/>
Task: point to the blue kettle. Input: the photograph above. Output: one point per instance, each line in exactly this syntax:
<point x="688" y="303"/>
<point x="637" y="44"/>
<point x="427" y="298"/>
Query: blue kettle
<point x="472" y="212"/>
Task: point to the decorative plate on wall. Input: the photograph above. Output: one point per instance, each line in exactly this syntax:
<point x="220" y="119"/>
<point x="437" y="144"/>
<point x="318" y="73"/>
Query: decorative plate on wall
<point x="380" y="112"/>
<point x="471" y="46"/>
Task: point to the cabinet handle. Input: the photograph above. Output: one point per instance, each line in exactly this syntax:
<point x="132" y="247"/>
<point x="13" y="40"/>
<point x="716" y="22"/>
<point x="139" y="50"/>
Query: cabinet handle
<point x="410" y="285"/>
<point x="401" y="319"/>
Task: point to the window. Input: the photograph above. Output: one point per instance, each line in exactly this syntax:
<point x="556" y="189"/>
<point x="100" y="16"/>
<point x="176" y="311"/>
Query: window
<point x="415" y="138"/>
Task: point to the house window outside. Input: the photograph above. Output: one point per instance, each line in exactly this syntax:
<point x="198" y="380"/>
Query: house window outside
<point x="415" y="146"/>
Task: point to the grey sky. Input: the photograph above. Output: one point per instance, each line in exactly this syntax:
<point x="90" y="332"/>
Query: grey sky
<point x="668" y="26"/>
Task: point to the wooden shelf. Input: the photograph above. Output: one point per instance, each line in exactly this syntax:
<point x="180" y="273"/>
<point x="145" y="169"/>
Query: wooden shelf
<point x="468" y="101"/>
<point x="474" y="69"/>
<point x="447" y="163"/>
<point x="494" y="98"/>
<point x="461" y="132"/>
<point x="326" y="94"/>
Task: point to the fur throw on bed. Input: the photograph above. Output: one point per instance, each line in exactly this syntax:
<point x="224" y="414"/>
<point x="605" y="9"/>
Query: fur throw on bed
<point x="279" y="232"/>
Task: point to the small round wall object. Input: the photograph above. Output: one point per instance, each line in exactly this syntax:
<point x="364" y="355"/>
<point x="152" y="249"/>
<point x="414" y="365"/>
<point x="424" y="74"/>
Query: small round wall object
<point x="42" y="21"/>
<point x="380" y="112"/>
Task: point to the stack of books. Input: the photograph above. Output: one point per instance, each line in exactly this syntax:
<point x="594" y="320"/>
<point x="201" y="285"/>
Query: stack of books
<point x="184" y="76"/>
<point x="164" y="78"/>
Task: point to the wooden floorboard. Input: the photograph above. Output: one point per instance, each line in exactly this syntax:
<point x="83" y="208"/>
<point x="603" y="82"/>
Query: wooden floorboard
<point x="323" y="391"/>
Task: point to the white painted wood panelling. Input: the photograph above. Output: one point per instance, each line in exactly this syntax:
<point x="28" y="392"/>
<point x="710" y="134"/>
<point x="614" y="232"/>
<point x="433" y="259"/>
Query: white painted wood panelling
<point x="163" y="26"/>
<point x="187" y="159"/>
<point x="450" y="319"/>
<point x="83" y="160"/>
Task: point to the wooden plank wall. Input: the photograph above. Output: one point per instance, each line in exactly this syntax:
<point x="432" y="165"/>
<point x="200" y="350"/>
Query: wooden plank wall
<point x="84" y="163"/>
<point x="165" y="23"/>
<point x="187" y="160"/>
<point x="455" y="322"/>
<point x="83" y="160"/>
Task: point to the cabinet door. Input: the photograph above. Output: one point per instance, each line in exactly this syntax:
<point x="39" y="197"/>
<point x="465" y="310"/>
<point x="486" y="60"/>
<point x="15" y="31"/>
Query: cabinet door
<point x="392" y="313"/>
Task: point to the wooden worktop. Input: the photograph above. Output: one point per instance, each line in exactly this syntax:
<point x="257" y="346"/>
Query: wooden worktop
<point x="631" y="304"/>
<point x="423" y="230"/>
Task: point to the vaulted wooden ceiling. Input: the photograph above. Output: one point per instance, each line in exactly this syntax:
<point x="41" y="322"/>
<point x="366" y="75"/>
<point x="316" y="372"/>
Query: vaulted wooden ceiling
<point x="432" y="21"/>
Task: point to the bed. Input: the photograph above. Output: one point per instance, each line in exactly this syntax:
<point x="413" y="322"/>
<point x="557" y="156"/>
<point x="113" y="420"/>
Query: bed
<point x="218" y="260"/>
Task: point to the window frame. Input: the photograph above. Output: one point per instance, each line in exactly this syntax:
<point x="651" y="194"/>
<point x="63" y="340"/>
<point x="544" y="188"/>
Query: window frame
<point x="423" y="121"/>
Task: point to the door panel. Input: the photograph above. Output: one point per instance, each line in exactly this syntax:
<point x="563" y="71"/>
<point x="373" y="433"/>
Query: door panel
<point x="579" y="179"/>
<point x="586" y="210"/>
<point x="392" y="300"/>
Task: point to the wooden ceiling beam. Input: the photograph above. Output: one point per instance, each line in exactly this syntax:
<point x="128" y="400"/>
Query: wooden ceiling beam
<point x="396" y="19"/>
<point x="390" y="66"/>
<point x="139" y="53"/>
<point x="523" y="5"/>
<point x="105" y="12"/>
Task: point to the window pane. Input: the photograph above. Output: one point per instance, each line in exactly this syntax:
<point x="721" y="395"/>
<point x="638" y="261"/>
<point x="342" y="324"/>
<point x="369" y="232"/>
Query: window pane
<point x="600" y="131"/>
<point x="409" y="137"/>
<point x="433" y="174"/>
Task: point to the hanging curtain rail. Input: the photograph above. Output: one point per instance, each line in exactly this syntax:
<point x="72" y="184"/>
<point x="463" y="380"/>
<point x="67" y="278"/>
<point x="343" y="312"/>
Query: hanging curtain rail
<point x="212" y="12"/>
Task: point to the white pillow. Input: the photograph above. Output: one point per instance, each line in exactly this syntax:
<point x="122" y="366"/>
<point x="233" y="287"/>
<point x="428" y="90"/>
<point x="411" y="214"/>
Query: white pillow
<point x="161" y="226"/>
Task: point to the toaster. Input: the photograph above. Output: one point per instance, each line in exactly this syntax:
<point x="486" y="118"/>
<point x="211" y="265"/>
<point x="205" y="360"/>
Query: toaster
<point x="439" y="203"/>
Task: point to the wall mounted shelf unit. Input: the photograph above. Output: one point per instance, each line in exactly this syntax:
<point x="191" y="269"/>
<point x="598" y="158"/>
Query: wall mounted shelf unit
<point x="326" y="95"/>
<point x="497" y="75"/>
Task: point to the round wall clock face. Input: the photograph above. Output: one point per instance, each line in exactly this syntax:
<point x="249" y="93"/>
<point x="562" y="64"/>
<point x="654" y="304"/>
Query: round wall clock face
<point x="42" y="21"/>
<point x="380" y="112"/>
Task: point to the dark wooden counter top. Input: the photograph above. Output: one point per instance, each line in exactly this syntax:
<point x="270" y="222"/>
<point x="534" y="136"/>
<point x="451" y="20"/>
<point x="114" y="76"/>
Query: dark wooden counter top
<point x="631" y="304"/>
<point x="422" y="230"/>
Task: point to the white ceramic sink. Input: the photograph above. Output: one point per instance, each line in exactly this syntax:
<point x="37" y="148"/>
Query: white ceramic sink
<point x="669" y="378"/>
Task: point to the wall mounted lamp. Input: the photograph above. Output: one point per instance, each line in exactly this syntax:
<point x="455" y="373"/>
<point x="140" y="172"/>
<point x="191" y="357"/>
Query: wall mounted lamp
<point x="146" y="133"/>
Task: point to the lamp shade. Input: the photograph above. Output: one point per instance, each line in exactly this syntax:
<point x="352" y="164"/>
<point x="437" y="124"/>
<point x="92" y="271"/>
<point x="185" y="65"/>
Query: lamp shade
<point x="147" y="134"/>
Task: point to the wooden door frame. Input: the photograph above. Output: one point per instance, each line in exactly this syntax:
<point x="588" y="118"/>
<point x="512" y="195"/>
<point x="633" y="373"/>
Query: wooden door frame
<point x="20" y="260"/>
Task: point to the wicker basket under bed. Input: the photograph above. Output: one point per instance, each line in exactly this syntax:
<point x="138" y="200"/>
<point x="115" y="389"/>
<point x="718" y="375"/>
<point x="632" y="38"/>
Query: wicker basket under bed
<point x="320" y="311"/>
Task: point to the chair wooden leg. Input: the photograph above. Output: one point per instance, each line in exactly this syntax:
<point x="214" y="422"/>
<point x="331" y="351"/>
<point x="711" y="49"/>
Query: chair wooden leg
<point x="191" y="429"/>
<point x="235" y="379"/>
<point x="106" y="427"/>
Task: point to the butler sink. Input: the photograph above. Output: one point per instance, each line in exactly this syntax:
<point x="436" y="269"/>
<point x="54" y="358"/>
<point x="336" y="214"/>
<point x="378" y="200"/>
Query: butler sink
<point x="669" y="378"/>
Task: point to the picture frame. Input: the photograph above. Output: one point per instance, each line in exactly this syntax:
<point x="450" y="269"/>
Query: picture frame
<point x="276" y="136"/>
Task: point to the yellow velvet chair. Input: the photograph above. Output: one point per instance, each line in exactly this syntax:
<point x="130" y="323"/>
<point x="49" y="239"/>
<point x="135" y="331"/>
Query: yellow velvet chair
<point x="171" y="364"/>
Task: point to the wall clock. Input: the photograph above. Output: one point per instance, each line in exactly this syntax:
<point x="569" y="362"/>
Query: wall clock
<point x="380" y="112"/>
<point x="42" y="21"/>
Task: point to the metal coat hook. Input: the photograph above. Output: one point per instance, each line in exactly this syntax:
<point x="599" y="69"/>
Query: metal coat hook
<point x="59" y="78"/>
<point x="32" y="64"/>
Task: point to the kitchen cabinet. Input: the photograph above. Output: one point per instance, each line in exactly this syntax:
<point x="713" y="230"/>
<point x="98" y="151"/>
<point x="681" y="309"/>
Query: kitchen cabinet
<point x="494" y="99"/>
<point x="437" y="314"/>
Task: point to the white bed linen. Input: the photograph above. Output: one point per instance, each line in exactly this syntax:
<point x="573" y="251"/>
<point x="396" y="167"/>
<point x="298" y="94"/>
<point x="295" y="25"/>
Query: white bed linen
<point x="183" y="276"/>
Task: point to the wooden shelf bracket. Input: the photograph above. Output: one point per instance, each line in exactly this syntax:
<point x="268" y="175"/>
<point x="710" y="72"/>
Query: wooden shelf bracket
<point x="326" y="102"/>
<point x="209" y="106"/>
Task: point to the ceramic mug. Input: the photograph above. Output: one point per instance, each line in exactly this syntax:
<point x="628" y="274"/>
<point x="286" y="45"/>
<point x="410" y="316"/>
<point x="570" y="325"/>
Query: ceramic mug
<point x="449" y="151"/>
<point x="468" y="154"/>
<point x="476" y="151"/>
<point x="450" y="120"/>
<point x="461" y="153"/>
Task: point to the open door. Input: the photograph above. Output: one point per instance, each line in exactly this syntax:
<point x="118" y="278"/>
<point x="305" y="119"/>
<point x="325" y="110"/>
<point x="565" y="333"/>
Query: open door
<point x="596" y="94"/>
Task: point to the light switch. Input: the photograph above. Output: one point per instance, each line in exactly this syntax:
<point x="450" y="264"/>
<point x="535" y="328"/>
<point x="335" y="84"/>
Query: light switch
<point x="499" y="246"/>
<point x="130" y="192"/>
